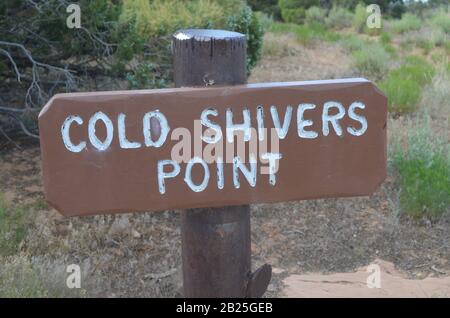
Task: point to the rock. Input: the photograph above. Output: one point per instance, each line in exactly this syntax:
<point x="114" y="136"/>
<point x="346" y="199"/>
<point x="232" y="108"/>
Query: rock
<point x="135" y="233"/>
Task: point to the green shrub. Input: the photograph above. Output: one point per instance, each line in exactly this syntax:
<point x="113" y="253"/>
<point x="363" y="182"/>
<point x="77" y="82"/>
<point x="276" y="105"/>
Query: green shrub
<point x="424" y="169"/>
<point x="339" y="18"/>
<point x="397" y="9"/>
<point x="403" y="86"/>
<point x="280" y="28"/>
<point x="292" y="15"/>
<point x="441" y="20"/>
<point x="353" y="43"/>
<point x="440" y="58"/>
<point x="425" y="38"/>
<point x="408" y="22"/>
<point x="161" y="17"/>
<point x="351" y="4"/>
<point x="447" y="47"/>
<point x="294" y="11"/>
<point x="264" y="19"/>
<point x="439" y="38"/>
<point x="158" y="19"/>
<point x="385" y="41"/>
<point x="360" y="18"/>
<point x="306" y="34"/>
<point x="389" y="48"/>
<point x="385" y="38"/>
<point x="403" y="94"/>
<point x="426" y="45"/>
<point x="436" y="94"/>
<point x="269" y="7"/>
<point x="246" y="22"/>
<point x="416" y="69"/>
<point x="315" y="15"/>
<point x="146" y="75"/>
<point x="371" y="61"/>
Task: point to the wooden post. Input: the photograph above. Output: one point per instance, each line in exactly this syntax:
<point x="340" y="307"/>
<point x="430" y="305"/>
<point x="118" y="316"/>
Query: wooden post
<point x="216" y="249"/>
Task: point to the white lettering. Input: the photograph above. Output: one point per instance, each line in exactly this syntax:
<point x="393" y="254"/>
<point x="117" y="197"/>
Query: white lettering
<point x="164" y="125"/>
<point x="361" y="119"/>
<point x="327" y="118"/>
<point x="65" y="132"/>
<point x="97" y="143"/>
<point x="165" y="175"/>
<point x="123" y="141"/>
<point x="302" y="123"/>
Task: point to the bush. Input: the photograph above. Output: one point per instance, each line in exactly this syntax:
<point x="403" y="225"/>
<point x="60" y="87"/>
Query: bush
<point x="269" y="7"/>
<point x="315" y="32"/>
<point x="353" y="43"/>
<point x="264" y="19"/>
<point x="351" y="4"/>
<point x="416" y="69"/>
<point x="403" y="86"/>
<point x="360" y="18"/>
<point x="247" y="23"/>
<point x="397" y="9"/>
<point x="119" y="40"/>
<point x="315" y="15"/>
<point x="441" y="20"/>
<point x="294" y="11"/>
<point x="306" y="34"/>
<point x="339" y="18"/>
<point x="145" y="75"/>
<point x="439" y="38"/>
<point x="436" y="94"/>
<point x="161" y="18"/>
<point x="403" y="94"/>
<point x="385" y="38"/>
<point x="408" y="22"/>
<point x="425" y="38"/>
<point x="385" y="41"/>
<point x="424" y="169"/>
<point x="371" y="61"/>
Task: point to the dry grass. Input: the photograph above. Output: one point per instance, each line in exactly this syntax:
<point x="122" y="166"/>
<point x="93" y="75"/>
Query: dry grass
<point x="280" y="45"/>
<point x="436" y="96"/>
<point x="286" y="60"/>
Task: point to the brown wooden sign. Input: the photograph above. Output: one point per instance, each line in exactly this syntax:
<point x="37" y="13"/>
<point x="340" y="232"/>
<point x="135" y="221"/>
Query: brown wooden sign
<point x="148" y="150"/>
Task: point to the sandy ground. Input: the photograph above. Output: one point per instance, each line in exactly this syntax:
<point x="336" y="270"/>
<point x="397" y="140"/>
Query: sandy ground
<point x="363" y="284"/>
<point x="317" y="247"/>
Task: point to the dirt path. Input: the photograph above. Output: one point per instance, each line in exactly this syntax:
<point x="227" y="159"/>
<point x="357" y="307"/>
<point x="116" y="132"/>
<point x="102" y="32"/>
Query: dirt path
<point x="363" y="283"/>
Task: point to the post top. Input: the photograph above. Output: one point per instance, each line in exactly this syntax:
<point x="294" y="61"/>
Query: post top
<point x="207" y="34"/>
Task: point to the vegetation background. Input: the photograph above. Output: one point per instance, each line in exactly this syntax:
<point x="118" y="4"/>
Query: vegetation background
<point x="125" y="44"/>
